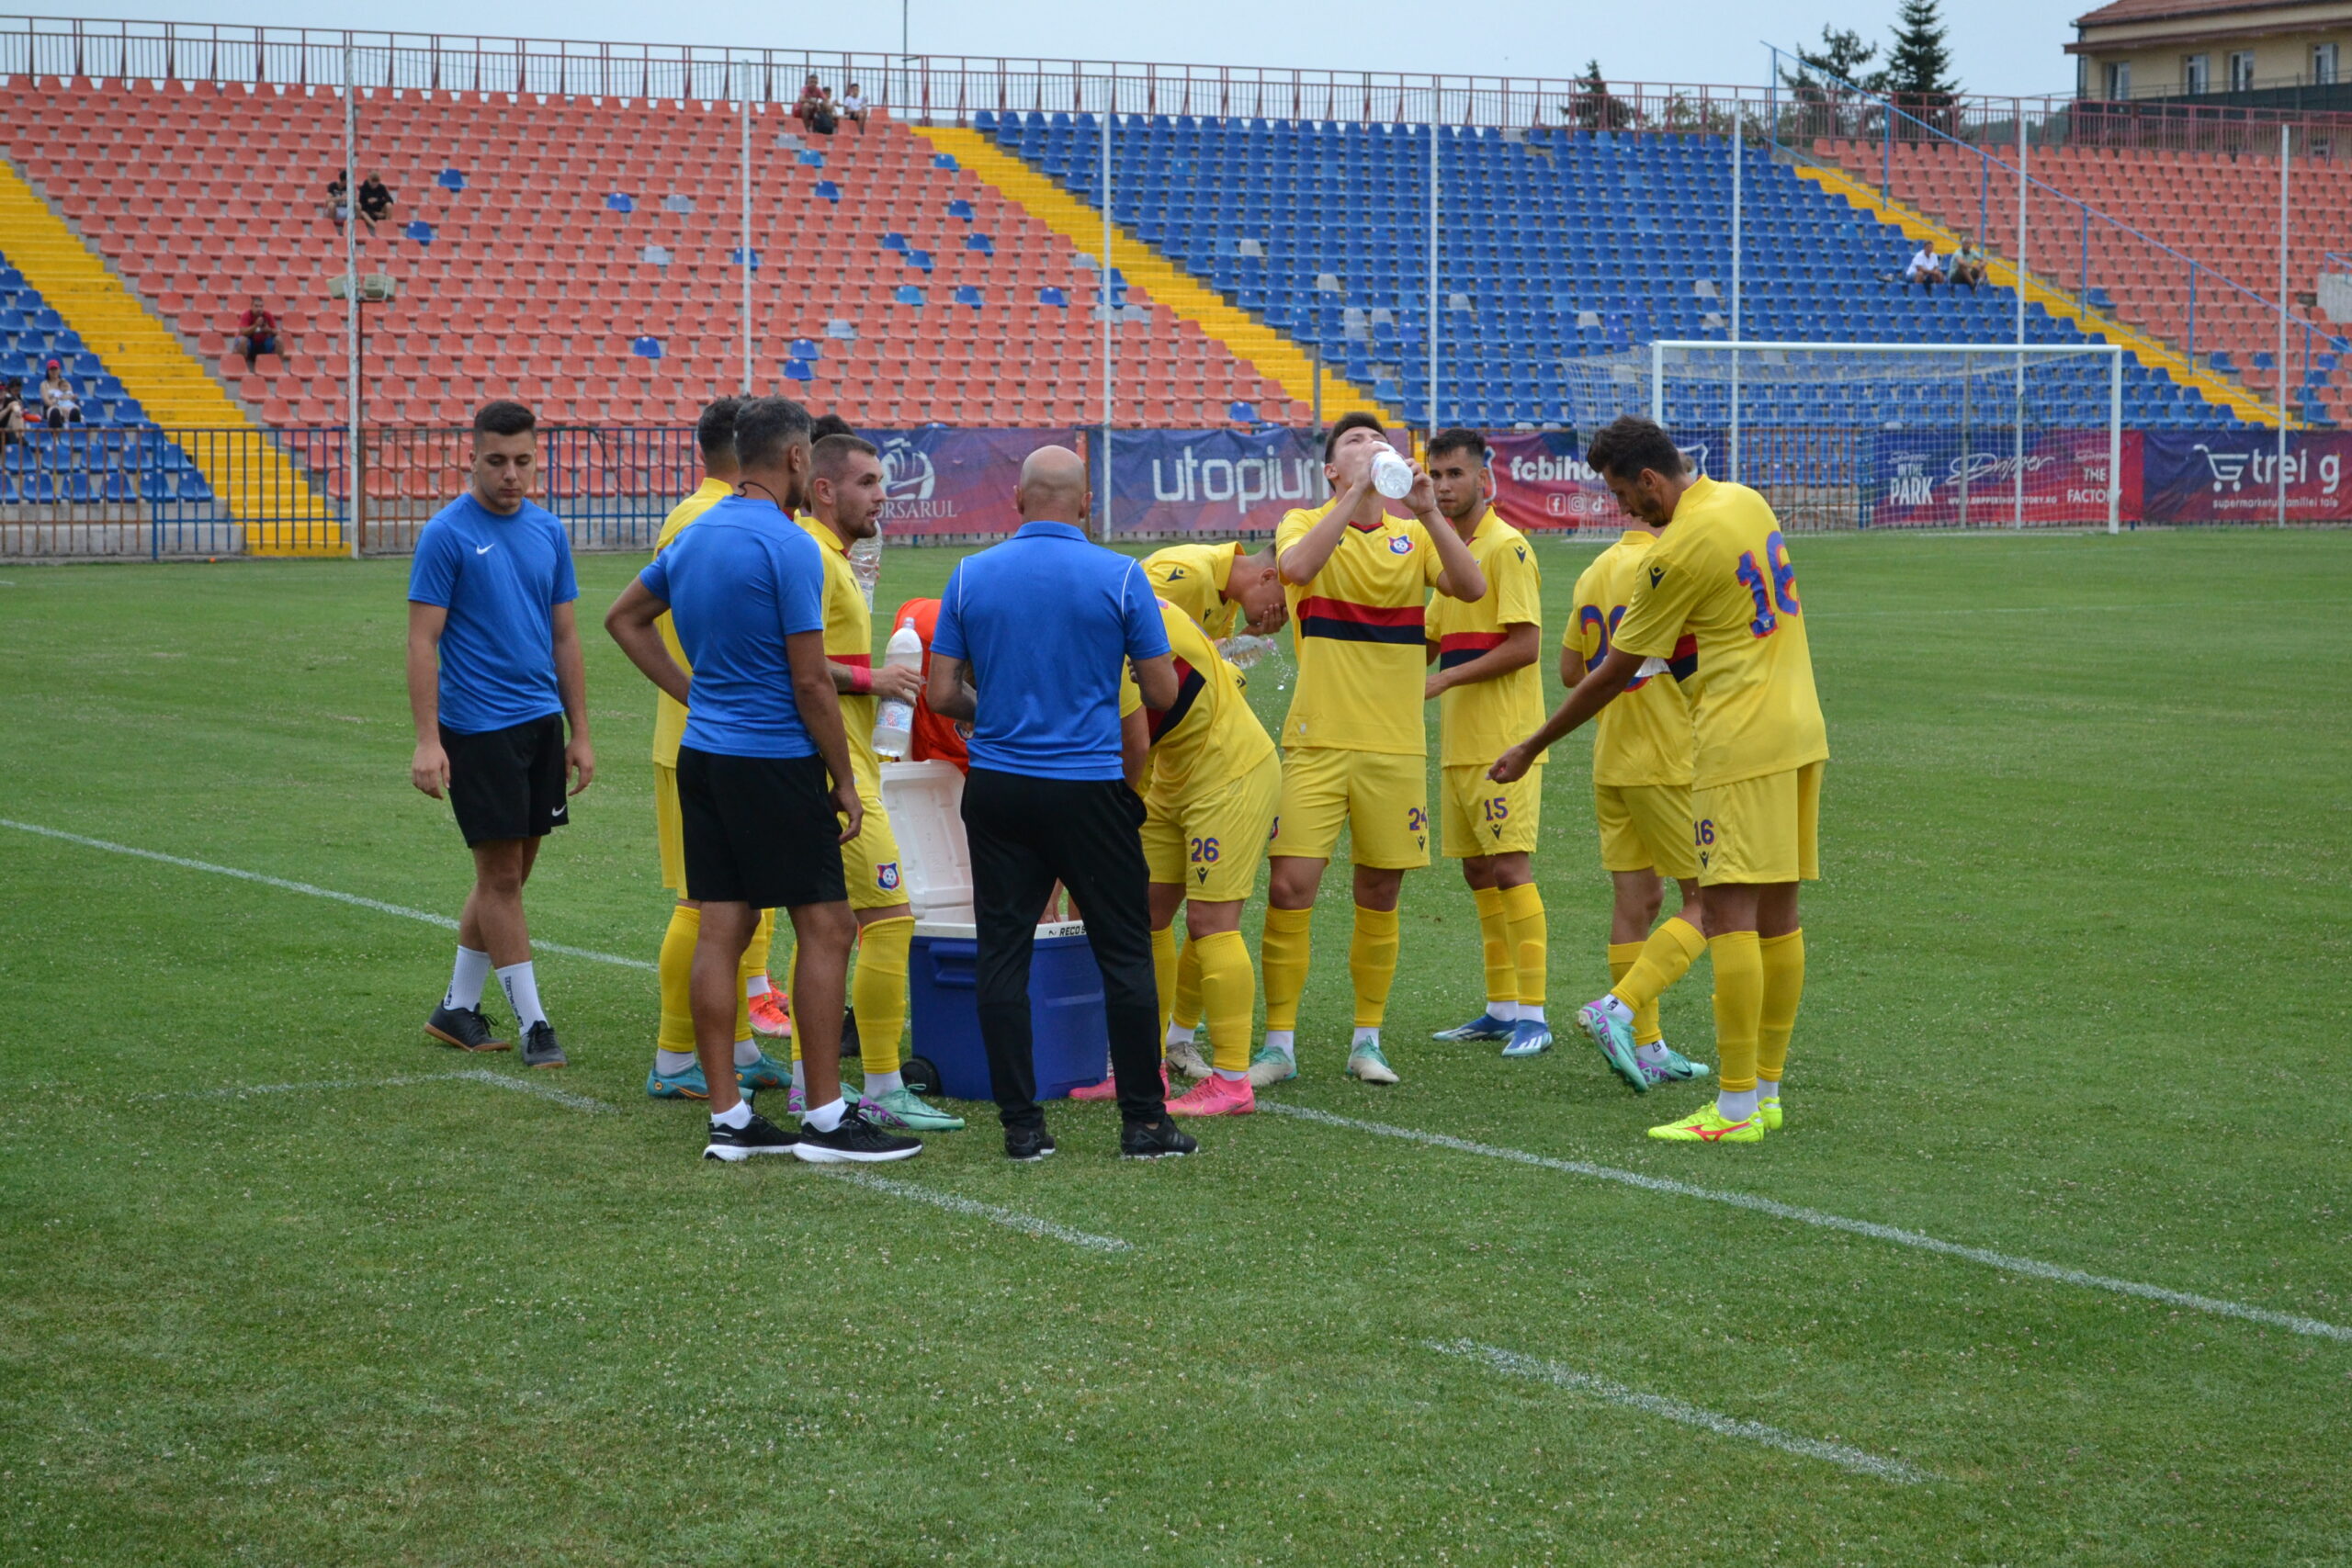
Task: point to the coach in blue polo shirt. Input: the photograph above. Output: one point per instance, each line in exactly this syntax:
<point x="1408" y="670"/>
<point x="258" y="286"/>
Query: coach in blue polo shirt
<point x="1033" y="636"/>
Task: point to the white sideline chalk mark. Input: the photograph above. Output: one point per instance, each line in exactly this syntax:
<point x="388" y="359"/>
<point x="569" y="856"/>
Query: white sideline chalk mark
<point x="1516" y="1365"/>
<point x="2007" y="1262"/>
<point x="328" y="1086"/>
<point x="1011" y="1219"/>
<point x="444" y="921"/>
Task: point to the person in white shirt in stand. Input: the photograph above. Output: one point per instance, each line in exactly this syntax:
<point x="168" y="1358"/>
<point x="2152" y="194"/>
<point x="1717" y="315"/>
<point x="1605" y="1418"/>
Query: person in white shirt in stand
<point x="852" y="106"/>
<point x="1924" y="270"/>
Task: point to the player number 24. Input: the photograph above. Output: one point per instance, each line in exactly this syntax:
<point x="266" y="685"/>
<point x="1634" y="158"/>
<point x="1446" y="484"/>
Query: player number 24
<point x="1783" y="586"/>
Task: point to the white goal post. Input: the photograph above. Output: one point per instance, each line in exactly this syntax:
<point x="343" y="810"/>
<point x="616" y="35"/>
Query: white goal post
<point x="1903" y="434"/>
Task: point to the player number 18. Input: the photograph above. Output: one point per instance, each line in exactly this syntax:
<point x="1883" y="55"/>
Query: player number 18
<point x="1783" y="592"/>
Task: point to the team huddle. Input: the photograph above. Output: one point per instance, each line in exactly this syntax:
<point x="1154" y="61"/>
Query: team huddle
<point x="1685" y="646"/>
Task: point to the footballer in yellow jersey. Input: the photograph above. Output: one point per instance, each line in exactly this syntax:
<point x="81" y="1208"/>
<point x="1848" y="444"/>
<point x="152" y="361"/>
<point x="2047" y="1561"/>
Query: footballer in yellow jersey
<point x="1353" y="745"/>
<point x="1641" y="795"/>
<point x="1222" y="589"/>
<point x="676" y="1073"/>
<point x="1720" y="574"/>
<point x="845" y="498"/>
<point x="1488" y="694"/>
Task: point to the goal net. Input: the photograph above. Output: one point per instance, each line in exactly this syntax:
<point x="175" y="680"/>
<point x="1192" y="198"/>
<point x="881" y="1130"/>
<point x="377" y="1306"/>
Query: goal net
<point x="1878" y="435"/>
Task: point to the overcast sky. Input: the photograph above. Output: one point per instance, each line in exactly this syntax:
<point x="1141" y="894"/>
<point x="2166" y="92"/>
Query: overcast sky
<point x="2000" y="46"/>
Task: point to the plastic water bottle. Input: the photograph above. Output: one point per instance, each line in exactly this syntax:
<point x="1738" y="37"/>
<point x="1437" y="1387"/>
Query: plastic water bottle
<point x="893" y="721"/>
<point x="865" y="564"/>
<point x="1392" y="476"/>
<point x="1245" y="648"/>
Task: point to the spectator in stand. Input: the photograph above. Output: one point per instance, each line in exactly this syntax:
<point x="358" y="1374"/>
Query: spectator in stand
<point x="375" y="201"/>
<point x="814" y="109"/>
<point x="338" y="199"/>
<point x="12" y="414"/>
<point x="256" y="335"/>
<point x="1968" y="266"/>
<point x="853" y="106"/>
<point x="58" y="406"/>
<point x="1924" y="270"/>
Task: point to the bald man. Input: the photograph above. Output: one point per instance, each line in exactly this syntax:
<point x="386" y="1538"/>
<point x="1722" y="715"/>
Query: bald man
<point x="1033" y="636"/>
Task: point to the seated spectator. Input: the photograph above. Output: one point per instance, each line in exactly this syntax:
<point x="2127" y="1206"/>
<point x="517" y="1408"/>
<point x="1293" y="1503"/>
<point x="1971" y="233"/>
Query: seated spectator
<point x="12" y="413"/>
<point x="852" y="106"/>
<point x="375" y="201"/>
<point x="1968" y="266"/>
<point x="814" y="109"/>
<point x="58" y="406"/>
<point x="1924" y="270"/>
<point x="339" y="200"/>
<point x="256" y="335"/>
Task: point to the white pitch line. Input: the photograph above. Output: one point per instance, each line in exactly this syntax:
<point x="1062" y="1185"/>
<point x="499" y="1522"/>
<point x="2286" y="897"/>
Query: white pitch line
<point x="444" y="921"/>
<point x="337" y="1086"/>
<point x="1559" y="1376"/>
<point x="2007" y="1262"/>
<point x="1011" y="1219"/>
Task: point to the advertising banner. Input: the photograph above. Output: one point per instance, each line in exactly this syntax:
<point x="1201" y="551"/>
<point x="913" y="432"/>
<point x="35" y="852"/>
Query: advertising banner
<point x="1542" y="482"/>
<point x="2231" y="476"/>
<point x="1923" y="478"/>
<point x="1218" y="482"/>
<point x="941" y="480"/>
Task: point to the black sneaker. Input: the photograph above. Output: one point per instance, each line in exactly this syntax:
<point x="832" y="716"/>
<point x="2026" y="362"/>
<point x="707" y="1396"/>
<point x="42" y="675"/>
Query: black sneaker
<point x="1154" y="1140"/>
<point x="855" y="1141"/>
<point x="757" y="1137"/>
<point x="1028" y="1144"/>
<point x="465" y="1028"/>
<point x="539" y="1049"/>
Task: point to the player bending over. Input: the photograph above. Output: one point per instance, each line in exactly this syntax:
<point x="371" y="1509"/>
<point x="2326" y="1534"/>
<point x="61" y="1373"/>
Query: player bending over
<point x="1720" y="575"/>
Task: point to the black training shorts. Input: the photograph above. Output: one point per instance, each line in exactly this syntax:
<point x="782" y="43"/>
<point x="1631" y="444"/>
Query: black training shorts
<point x="507" y="783"/>
<point x="759" y="830"/>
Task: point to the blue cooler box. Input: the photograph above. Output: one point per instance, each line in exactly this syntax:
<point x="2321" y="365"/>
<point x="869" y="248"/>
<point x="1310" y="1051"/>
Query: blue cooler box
<point x="1073" y="1042"/>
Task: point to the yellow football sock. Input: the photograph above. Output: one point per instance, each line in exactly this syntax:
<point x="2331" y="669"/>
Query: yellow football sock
<point x="1164" y="974"/>
<point x="879" y="992"/>
<point x="677" y="972"/>
<point x="1228" y="991"/>
<point x="1623" y="956"/>
<point x="1186" y="1012"/>
<point x="1784" y="959"/>
<point x="1524" y="908"/>
<point x="1282" y="953"/>
<point x="1372" y="962"/>
<point x="1494" y="933"/>
<point x="1739" y="1006"/>
<point x="1670" y="951"/>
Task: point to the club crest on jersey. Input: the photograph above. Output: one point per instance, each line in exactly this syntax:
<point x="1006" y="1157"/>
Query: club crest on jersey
<point x="885" y="876"/>
<point x="1400" y="545"/>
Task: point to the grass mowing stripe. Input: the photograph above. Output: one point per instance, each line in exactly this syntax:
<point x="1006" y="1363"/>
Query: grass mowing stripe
<point x="2007" y="1262"/>
<point x="322" y="1086"/>
<point x="1516" y="1365"/>
<point x="444" y="921"/>
<point x="1011" y="1219"/>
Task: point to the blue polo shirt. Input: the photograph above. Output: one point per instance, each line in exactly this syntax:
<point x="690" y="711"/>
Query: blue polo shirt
<point x="1047" y="620"/>
<point x="500" y="578"/>
<point x="737" y="583"/>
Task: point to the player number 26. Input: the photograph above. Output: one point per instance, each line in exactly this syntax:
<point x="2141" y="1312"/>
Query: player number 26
<point x="1203" y="851"/>
<point x="1782" y="598"/>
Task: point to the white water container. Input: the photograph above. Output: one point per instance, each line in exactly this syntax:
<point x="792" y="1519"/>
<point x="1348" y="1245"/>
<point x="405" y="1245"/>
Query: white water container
<point x="893" y="721"/>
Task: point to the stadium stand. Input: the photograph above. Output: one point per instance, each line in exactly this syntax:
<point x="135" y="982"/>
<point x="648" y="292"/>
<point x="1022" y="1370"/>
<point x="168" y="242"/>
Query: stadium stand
<point x="1580" y="242"/>
<point x="2218" y="209"/>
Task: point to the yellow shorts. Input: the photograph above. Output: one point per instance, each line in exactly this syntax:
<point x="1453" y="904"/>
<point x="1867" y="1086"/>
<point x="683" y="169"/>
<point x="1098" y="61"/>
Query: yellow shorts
<point x="1214" y="844"/>
<point x="870" y="861"/>
<point x="1483" y="818"/>
<point x="1646" y="827"/>
<point x="667" y="831"/>
<point x="1760" y="830"/>
<point x="1381" y="799"/>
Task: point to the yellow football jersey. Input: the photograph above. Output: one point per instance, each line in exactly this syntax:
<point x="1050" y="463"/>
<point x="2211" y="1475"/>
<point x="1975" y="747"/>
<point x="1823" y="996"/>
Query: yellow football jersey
<point x="1642" y="738"/>
<point x="1194" y="578"/>
<point x="1479" y="722"/>
<point x="1358" y="630"/>
<point x="669" y="713"/>
<point x="1210" y="737"/>
<point x="849" y="639"/>
<point x="1720" y="573"/>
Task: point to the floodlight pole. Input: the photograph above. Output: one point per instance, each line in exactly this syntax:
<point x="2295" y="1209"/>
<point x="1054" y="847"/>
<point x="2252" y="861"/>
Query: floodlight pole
<point x="2016" y="411"/>
<point x="2285" y="136"/>
<point x="1103" y="293"/>
<point x="1737" y="213"/>
<point x="1437" y="103"/>
<point x="355" y="459"/>
<point x="744" y="243"/>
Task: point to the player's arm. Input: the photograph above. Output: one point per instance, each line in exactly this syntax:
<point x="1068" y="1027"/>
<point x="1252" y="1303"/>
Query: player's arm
<point x="1522" y="640"/>
<point x="950" y="692"/>
<point x="820" y="713"/>
<point x="631" y="623"/>
<point x="1458" y="575"/>
<point x="572" y="684"/>
<point x="1156" y="679"/>
<point x="1135" y="746"/>
<point x="1306" y="555"/>
<point x="429" y="769"/>
<point x="1595" y="692"/>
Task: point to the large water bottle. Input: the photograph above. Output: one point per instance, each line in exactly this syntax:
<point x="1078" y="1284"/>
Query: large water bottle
<point x="1392" y="476"/>
<point x="865" y="564"/>
<point x="893" y="721"/>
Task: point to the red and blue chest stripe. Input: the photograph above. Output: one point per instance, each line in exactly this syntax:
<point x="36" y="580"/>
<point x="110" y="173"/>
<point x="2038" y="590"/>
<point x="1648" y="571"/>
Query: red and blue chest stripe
<point x="1343" y="620"/>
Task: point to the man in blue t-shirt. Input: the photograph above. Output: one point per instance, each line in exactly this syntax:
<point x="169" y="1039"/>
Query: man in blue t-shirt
<point x="1044" y="624"/>
<point x="494" y="675"/>
<point x="762" y="767"/>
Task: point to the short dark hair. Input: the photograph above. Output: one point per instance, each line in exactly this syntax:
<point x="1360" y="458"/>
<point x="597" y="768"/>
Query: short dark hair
<point x="765" y="427"/>
<point x="1457" y="439"/>
<point x="826" y="424"/>
<point x="715" y="430"/>
<point x="835" y="448"/>
<point x="1358" y="420"/>
<point x="1629" y="445"/>
<point x="504" y="417"/>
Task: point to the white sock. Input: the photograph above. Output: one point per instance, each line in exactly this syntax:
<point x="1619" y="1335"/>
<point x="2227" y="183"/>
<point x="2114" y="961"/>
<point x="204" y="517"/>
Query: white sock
<point x="1280" y="1040"/>
<point x="670" y="1063"/>
<point x="747" y="1052"/>
<point x="1615" y="1008"/>
<point x="1178" y="1035"/>
<point x="824" y="1118"/>
<point x="1531" y="1012"/>
<point x="879" y="1084"/>
<point x="466" y="980"/>
<point x="1654" y="1052"/>
<point x="1365" y="1037"/>
<point x="521" y="989"/>
<point x="1767" y="1088"/>
<point x="1502" y="1012"/>
<point x="757" y="986"/>
<point x="1736" y="1105"/>
<point x="1230" y="1075"/>
<point x="735" y="1118"/>
<point x="799" y="1077"/>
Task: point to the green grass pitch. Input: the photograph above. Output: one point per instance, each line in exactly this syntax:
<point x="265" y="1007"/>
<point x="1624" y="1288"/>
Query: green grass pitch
<point x="2076" y="996"/>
